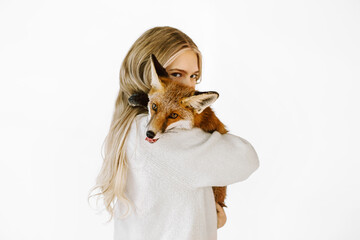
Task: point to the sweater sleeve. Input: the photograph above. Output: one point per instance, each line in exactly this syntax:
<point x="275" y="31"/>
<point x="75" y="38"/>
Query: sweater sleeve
<point x="205" y="159"/>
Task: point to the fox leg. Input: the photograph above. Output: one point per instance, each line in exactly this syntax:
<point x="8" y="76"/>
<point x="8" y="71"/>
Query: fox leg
<point x="220" y="194"/>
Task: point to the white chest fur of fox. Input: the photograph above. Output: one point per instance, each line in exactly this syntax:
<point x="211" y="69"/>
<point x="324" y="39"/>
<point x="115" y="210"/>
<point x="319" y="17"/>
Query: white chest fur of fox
<point x="174" y="105"/>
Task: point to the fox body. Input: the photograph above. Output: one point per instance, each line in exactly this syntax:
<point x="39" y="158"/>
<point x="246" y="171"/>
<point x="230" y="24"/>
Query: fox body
<point x="173" y="105"/>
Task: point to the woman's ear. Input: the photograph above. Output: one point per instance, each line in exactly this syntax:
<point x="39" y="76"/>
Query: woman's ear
<point x="200" y="100"/>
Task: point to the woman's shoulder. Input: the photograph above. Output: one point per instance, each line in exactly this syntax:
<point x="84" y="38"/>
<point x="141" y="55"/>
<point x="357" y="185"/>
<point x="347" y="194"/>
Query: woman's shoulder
<point x="142" y="117"/>
<point x="137" y="129"/>
<point x="139" y="123"/>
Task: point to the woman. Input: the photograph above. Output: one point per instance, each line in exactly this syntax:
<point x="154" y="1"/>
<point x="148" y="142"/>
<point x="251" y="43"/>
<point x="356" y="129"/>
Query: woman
<point x="163" y="190"/>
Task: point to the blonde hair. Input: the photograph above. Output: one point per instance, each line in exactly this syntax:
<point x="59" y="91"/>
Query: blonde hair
<point x="166" y="43"/>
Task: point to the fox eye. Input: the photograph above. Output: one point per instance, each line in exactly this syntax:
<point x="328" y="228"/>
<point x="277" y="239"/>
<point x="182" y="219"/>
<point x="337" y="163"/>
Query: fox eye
<point x="154" y="107"/>
<point x="174" y="115"/>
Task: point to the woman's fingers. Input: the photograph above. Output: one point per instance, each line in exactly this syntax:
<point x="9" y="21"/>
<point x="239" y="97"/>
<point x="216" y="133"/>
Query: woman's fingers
<point x="221" y="216"/>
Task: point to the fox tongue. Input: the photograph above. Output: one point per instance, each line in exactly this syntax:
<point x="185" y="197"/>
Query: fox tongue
<point x="151" y="140"/>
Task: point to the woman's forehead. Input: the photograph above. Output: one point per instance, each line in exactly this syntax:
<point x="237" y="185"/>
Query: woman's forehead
<point x="185" y="61"/>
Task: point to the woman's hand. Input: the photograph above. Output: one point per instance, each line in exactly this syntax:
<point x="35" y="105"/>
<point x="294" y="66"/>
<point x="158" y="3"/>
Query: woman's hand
<point x="221" y="217"/>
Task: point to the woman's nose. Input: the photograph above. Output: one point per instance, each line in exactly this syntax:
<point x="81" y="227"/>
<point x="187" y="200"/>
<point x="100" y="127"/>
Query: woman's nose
<point x="190" y="82"/>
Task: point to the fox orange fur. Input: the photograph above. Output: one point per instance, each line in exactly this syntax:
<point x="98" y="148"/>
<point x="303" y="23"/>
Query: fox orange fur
<point x="174" y="105"/>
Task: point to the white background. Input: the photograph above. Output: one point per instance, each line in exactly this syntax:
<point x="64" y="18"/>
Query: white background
<point x="288" y="77"/>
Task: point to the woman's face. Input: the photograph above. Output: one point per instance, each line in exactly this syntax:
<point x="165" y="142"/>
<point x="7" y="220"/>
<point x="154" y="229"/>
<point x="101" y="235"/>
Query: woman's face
<point x="184" y="68"/>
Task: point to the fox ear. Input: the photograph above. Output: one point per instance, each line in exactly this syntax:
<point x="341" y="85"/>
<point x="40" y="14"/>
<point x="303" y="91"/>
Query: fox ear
<point x="157" y="71"/>
<point x="138" y="100"/>
<point x="200" y="100"/>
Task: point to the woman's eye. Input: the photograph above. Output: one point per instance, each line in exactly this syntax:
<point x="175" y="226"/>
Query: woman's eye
<point x="174" y="115"/>
<point x="154" y="107"/>
<point x="194" y="76"/>
<point x="176" y="74"/>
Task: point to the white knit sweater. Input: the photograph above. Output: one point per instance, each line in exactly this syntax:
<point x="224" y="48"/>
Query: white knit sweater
<point x="169" y="182"/>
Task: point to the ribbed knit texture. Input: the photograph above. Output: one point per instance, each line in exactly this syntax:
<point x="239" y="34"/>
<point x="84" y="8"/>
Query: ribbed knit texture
<point x="169" y="182"/>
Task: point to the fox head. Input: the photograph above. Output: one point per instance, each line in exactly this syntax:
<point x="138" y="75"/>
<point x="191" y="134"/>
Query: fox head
<point x="170" y="104"/>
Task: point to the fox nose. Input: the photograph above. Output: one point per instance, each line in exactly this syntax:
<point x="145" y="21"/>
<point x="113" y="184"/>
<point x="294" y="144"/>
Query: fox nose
<point x="150" y="134"/>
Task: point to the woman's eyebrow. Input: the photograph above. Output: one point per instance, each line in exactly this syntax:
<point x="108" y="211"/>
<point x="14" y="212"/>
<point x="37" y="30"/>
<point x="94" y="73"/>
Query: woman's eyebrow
<point x="180" y="70"/>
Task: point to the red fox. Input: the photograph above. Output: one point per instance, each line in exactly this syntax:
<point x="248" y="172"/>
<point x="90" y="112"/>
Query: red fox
<point x="174" y="105"/>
